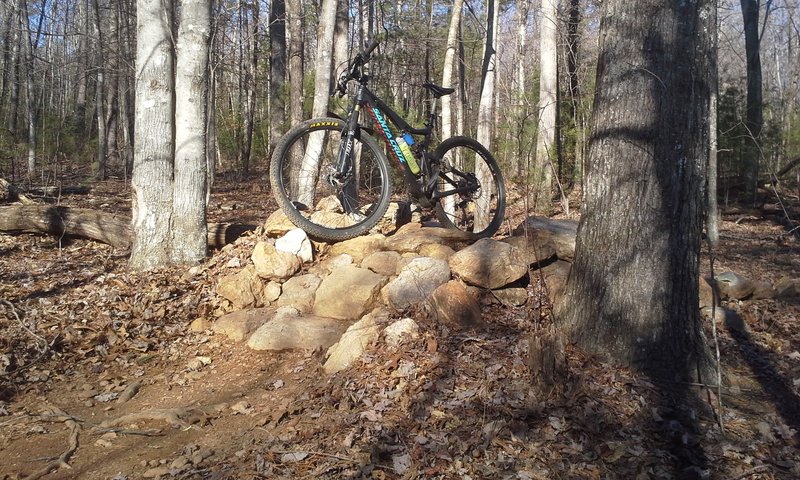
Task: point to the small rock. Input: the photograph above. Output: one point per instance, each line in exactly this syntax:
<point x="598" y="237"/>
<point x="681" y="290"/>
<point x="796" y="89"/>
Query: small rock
<point x="511" y="297"/>
<point x="130" y="391"/>
<point x="200" y="325"/>
<point x="382" y="263"/>
<point x="353" y="342"/>
<point x="243" y="288"/>
<point x="180" y="463"/>
<point x="242" y="407"/>
<point x="296" y="242"/>
<point x="359" y="248"/>
<point x="106" y="397"/>
<point x="234" y="262"/>
<point x="299" y="292"/>
<point x="156" y="472"/>
<point x="787" y="288"/>
<point x="278" y="223"/>
<point x="201" y="454"/>
<point x="272" y="264"/>
<point x="734" y="286"/>
<point x="399" y="331"/>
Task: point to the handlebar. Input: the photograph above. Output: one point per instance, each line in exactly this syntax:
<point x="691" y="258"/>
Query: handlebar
<point x="354" y="68"/>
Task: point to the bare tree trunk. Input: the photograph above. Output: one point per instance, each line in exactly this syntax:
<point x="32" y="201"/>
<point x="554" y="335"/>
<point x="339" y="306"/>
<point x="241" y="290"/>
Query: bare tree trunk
<point x="294" y="14"/>
<point x="521" y="159"/>
<point x="99" y="165"/>
<point x="632" y="294"/>
<point x="486" y="112"/>
<point x="448" y="203"/>
<point x="249" y="82"/>
<point x="277" y="68"/>
<point x="310" y="163"/>
<point x="14" y="74"/>
<point x="447" y="69"/>
<point x="548" y="106"/>
<point x="31" y="101"/>
<point x="712" y="212"/>
<point x="189" y="231"/>
<point x="340" y="39"/>
<point x="79" y="118"/>
<point x="154" y="149"/>
<point x="754" y="119"/>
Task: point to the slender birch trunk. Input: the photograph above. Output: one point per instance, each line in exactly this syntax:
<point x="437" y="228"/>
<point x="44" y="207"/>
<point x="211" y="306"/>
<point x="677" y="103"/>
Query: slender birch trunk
<point x="486" y="112"/>
<point x="548" y="97"/>
<point x="189" y="228"/>
<point x="310" y="163"/>
<point x="447" y="70"/>
<point x="154" y="148"/>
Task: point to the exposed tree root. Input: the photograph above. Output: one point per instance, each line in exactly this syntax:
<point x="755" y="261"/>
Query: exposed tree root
<point x="63" y="459"/>
<point x="177" y="417"/>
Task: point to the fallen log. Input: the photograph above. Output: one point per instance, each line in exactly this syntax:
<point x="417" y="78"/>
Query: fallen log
<point x="109" y="228"/>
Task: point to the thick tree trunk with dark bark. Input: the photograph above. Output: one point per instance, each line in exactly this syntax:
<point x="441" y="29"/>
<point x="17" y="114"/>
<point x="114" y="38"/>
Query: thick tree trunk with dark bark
<point x="632" y="294"/>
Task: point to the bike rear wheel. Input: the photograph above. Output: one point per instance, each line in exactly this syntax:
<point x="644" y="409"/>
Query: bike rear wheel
<point x="316" y="195"/>
<point x="477" y="209"/>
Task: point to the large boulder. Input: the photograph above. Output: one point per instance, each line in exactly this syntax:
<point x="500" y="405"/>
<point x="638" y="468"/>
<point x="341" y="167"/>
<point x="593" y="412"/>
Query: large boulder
<point x="358" y="248"/>
<point x="382" y="263"/>
<point x="348" y="293"/>
<point x="299" y="292"/>
<point x="454" y="306"/>
<point x="545" y="237"/>
<point x="237" y="326"/>
<point x="290" y="330"/>
<point x="489" y="264"/>
<point x="416" y="281"/>
<point x="412" y="237"/>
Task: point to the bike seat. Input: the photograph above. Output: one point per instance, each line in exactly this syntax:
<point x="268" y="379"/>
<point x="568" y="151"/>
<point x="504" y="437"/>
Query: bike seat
<point x="438" y="91"/>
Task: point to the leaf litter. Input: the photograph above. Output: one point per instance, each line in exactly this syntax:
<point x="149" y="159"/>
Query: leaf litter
<point x="97" y="361"/>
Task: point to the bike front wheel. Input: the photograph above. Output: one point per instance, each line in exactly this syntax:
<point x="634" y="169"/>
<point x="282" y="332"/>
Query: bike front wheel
<point x="473" y="195"/>
<point x="331" y="194"/>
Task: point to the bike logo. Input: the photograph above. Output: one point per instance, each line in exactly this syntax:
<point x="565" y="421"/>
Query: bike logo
<point x="376" y="113"/>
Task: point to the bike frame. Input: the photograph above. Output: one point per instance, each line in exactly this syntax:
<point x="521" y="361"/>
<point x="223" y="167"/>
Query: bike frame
<point x="424" y="192"/>
<point x="379" y="112"/>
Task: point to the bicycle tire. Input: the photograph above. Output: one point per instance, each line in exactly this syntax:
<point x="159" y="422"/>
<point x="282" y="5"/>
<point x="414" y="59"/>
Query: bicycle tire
<point x="478" y="213"/>
<point x="325" y="207"/>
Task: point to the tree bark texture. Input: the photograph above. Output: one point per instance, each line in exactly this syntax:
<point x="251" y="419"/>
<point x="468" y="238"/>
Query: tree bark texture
<point x="277" y="68"/>
<point x="754" y="119"/>
<point x="154" y="144"/>
<point x="632" y="294"/>
<point x="191" y="84"/>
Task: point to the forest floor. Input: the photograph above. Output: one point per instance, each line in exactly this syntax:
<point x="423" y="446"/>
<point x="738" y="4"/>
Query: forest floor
<point x="107" y="373"/>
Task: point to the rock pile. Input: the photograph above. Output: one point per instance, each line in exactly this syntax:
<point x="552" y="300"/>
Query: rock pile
<point x="297" y="294"/>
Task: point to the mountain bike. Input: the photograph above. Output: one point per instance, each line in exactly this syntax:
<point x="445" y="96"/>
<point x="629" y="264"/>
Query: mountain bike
<point x="332" y="179"/>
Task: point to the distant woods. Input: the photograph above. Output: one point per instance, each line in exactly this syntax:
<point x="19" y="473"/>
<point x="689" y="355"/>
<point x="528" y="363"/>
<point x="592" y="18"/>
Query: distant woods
<point x="67" y="80"/>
